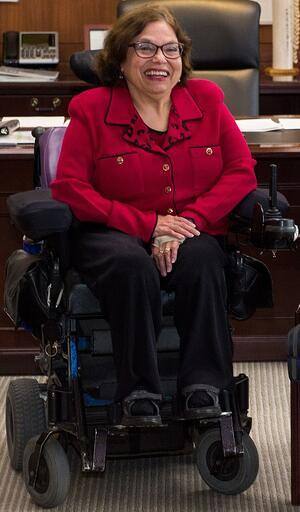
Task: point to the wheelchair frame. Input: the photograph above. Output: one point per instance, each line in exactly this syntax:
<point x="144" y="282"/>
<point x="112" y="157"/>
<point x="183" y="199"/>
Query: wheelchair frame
<point x="226" y="456"/>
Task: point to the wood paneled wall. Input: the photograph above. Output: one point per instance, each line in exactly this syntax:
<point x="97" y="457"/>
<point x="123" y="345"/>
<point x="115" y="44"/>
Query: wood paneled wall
<point x="65" y="16"/>
<point x="265" y="35"/>
<point x="69" y="16"/>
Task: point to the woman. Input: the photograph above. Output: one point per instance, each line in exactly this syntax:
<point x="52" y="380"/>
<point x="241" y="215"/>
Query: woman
<point x="151" y="165"/>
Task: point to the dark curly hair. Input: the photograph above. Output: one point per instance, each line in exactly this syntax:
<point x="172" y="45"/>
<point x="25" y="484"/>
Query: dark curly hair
<point x="125" y="29"/>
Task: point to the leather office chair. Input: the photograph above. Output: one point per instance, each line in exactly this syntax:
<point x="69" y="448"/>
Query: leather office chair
<point x="225" y="37"/>
<point x="225" y="45"/>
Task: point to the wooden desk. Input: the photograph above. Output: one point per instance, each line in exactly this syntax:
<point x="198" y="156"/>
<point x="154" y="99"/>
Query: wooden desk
<point x="39" y="98"/>
<point x="279" y="97"/>
<point x="263" y="337"/>
<point x="16" y="348"/>
<point x="52" y="98"/>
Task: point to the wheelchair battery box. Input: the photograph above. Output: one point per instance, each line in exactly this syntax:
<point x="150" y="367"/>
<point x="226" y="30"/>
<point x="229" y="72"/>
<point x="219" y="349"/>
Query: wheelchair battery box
<point x="37" y="215"/>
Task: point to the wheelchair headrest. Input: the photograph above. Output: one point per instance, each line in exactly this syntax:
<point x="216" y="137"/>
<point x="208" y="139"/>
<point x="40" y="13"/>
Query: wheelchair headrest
<point x="50" y="145"/>
<point x="83" y="65"/>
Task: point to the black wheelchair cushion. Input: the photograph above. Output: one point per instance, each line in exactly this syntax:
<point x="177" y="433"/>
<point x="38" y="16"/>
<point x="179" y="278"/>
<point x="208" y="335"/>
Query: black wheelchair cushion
<point x="37" y="215"/>
<point x="81" y="301"/>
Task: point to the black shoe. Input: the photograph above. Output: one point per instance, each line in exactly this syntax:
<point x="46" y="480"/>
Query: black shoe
<point x="200" y="401"/>
<point x="140" y="409"/>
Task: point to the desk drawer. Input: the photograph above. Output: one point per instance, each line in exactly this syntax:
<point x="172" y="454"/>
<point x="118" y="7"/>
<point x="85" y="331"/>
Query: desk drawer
<point x="15" y="176"/>
<point x="33" y="104"/>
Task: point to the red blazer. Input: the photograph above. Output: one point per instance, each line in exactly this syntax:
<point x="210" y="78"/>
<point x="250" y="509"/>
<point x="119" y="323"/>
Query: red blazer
<point x="113" y="172"/>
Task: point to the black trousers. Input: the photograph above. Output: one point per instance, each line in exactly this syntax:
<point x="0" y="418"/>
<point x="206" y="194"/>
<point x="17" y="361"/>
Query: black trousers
<point x="119" y="269"/>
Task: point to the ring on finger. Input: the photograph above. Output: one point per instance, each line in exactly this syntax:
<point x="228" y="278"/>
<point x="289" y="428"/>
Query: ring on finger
<point x="167" y="250"/>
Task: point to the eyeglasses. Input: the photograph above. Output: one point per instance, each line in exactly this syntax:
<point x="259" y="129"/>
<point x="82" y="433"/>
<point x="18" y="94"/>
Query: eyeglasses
<point x="147" y="50"/>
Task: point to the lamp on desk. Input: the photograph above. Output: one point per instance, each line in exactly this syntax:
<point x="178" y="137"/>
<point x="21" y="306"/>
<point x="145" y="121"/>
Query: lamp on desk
<point x="285" y="40"/>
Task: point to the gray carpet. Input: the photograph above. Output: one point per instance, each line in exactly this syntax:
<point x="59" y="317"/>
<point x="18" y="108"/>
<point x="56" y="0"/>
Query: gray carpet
<point x="172" y="484"/>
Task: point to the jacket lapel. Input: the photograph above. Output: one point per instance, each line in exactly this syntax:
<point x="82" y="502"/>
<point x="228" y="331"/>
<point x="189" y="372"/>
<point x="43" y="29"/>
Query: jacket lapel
<point x="183" y="111"/>
<point x="121" y="111"/>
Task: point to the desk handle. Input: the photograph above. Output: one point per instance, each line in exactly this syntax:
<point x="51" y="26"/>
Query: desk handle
<point x="34" y="103"/>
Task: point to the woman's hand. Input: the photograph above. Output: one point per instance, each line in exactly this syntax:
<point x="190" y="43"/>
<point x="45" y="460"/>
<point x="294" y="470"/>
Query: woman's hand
<point x="179" y="227"/>
<point x="165" y="255"/>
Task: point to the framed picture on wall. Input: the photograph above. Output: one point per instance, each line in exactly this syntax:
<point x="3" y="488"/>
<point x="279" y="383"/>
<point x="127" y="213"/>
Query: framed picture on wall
<point x="94" y="36"/>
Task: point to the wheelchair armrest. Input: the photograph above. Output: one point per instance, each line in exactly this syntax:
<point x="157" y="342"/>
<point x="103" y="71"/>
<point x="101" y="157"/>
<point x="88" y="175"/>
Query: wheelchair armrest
<point x="37" y="215"/>
<point x="261" y="195"/>
<point x="243" y="212"/>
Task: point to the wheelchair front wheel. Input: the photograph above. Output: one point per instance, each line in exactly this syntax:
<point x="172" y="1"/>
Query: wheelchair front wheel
<point x="53" y="479"/>
<point x="25" y="417"/>
<point x="226" y="475"/>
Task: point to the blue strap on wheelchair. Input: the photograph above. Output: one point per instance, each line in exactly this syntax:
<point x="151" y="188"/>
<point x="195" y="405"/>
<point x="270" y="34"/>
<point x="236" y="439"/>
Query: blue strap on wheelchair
<point x="73" y="358"/>
<point x="90" y="401"/>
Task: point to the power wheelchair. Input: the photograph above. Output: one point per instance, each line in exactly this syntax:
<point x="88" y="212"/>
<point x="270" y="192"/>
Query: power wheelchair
<point x="44" y="294"/>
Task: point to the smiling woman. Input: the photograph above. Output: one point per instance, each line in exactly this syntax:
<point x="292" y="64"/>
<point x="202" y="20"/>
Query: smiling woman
<point x="151" y="74"/>
<point x="160" y="165"/>
<point x="126" y="31"/>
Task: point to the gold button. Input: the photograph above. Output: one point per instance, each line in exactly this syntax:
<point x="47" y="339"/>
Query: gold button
<point x="168" y="190"/>
<point x="170" y="211"/>
<point x="166" y="167"/>
<point x="209" y="151"/>
<point x="120" y="160"/>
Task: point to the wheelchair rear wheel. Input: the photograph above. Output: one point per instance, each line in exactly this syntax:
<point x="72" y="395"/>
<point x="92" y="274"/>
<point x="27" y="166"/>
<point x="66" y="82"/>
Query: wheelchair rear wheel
<point x="25" y="417"/>
<point x="53" y="478"/>
<point x="226" y="475"/>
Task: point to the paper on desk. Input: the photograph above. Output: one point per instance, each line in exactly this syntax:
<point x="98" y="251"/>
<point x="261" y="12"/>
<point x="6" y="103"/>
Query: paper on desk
<point x="290" y="123"/>
<point x="39" y="75"/>
<point x="258" y="125"/>
<point x="18" y="137"/>
<point x="32" y="122"/>
<point x="7" y="78"/>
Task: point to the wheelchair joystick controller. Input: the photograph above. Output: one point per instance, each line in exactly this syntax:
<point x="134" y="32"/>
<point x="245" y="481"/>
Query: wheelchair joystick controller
<point x="273" y="212"/>
<point x="269" y="230"/>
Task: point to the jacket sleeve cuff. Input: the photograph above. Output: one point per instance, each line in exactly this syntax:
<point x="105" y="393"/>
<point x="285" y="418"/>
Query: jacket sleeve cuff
<point x="132" y="221"/>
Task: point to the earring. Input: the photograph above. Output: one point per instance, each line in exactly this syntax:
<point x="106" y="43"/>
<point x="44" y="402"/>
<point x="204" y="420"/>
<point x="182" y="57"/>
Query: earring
<point x="121" y="76"/>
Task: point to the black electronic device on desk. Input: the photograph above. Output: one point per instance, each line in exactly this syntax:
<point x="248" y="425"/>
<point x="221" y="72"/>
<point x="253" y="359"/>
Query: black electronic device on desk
<point x="30" y="48"/>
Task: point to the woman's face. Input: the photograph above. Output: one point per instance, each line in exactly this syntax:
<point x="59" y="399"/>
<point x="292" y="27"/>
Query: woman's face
<point x="157" y="75"/>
